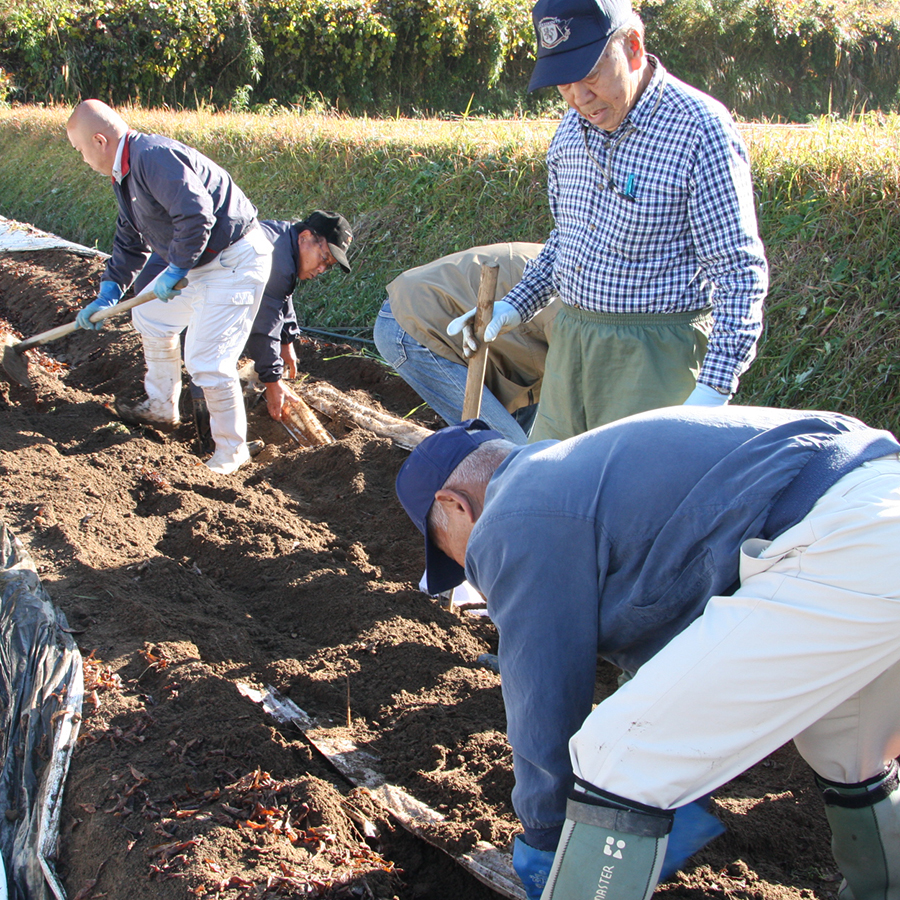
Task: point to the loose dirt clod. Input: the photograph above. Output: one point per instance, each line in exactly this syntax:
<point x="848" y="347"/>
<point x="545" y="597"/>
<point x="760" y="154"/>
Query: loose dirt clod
<point x="298" y="572"/>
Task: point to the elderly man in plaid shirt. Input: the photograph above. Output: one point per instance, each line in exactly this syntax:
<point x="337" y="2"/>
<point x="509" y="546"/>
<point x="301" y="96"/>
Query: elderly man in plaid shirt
<point x="655" y="252"/>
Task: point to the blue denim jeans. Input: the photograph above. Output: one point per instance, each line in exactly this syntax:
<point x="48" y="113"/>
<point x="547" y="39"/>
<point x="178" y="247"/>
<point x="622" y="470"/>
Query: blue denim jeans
<point x="442" y="383"/>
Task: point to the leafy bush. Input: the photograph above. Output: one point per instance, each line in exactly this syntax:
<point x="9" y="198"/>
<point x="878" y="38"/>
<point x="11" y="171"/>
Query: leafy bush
<point x="349" y="53"/>
<point x="145" y="51"/>
<point x="343" y="46"/>
<point x="787" y="59"/>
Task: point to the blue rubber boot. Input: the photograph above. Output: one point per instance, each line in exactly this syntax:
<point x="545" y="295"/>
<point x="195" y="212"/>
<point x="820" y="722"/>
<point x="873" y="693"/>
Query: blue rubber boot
<point x="532" y="866"/>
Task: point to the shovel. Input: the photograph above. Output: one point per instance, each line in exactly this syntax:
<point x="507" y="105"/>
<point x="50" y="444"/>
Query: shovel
<point x="16" y="366"/>
<point x="484" y="310"/>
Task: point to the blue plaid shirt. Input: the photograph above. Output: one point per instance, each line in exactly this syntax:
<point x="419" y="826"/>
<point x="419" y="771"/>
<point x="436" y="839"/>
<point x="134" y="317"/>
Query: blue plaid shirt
<point x="656" y="217"/>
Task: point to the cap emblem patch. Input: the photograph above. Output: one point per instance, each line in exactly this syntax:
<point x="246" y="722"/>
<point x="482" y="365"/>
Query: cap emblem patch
<point x="553" y="31"/>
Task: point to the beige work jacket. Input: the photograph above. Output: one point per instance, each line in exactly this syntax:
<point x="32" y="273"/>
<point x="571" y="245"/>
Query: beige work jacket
<point x="425" y="299"/>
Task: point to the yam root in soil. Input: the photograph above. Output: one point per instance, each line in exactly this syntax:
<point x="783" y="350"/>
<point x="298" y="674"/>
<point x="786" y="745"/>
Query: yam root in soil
<point x="329" y="400"/>
<point x="301" y="422"/>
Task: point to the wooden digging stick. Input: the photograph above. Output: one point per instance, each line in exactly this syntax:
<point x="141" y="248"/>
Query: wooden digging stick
<point x="484" y="310"/>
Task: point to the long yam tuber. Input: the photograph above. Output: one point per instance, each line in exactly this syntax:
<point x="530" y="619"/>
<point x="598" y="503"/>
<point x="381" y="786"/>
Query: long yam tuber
<point x="301" y="422"/>
<point x="329" y="400"/>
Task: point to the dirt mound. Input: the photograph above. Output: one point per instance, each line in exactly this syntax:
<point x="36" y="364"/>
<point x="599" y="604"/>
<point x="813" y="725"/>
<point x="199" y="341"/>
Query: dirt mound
<point x="298" y="572"/>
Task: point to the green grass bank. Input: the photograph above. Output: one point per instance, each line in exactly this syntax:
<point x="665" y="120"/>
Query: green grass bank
<point x="416" y="189"/>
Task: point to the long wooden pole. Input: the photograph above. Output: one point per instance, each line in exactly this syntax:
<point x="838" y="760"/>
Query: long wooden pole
<point x="484" y="307"/>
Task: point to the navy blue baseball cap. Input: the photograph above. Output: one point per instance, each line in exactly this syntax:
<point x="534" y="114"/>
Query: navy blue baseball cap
<point x="423" y="474"/>
<point x="571" y="35"/>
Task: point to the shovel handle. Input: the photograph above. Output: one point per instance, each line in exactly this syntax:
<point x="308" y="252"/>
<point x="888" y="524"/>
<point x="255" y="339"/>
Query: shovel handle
<point x="484" y="311"/>
<point x="45" y="337"/>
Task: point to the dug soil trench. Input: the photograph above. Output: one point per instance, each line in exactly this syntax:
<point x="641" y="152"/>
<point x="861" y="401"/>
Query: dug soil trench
<point x="298" y="572"/>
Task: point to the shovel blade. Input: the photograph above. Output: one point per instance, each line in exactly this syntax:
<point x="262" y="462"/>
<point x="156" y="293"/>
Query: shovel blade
<point x="15" y="364"/>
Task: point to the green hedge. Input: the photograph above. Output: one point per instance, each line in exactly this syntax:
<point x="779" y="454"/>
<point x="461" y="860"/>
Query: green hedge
<point x="782" y="59"/>
<point x="340" y="53"/>
<point x="771" y="59"/>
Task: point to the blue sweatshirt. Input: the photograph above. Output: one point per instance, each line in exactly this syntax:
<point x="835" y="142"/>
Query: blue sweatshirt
<point x="614" y="541"/>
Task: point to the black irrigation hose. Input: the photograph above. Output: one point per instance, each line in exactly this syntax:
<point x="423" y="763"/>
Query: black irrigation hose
<point x="333" y="334"/>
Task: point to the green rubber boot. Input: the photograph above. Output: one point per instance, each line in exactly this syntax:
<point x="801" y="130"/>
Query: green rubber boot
<point x="610" y="849"/>
<point x="865" y="829"/>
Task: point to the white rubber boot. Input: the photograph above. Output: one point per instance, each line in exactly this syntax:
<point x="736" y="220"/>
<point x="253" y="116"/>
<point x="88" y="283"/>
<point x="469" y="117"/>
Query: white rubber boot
<point x="228" y="425"/>
<point x="162" y="384"/>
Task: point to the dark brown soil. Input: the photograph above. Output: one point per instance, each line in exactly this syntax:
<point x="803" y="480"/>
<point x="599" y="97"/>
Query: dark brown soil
<point x="298" y="572"/>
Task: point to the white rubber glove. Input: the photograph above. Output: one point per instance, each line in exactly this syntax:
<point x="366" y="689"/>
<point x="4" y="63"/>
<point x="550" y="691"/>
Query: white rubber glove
<point x="505" y="317"/>
<point x="704" y="395"/>
<point x="464" y="324"/>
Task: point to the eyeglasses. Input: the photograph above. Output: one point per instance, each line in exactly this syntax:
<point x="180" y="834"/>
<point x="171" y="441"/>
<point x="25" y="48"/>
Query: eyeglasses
<point x="606" y="171"/>
<point x="325" y="253"/>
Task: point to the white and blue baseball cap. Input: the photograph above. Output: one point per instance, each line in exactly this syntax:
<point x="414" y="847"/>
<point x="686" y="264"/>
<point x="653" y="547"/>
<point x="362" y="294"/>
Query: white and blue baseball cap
<point x="425" y="472"/>
<point x="571" y="35"/>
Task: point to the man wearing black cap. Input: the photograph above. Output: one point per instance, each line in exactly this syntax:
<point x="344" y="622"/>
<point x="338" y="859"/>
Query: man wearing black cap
<point x="739" y="563"/>
<point x="302" y="251"/>
<point x="655" y="251"/>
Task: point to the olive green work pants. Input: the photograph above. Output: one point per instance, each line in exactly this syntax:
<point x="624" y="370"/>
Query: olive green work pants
<point x="602" y="367"/>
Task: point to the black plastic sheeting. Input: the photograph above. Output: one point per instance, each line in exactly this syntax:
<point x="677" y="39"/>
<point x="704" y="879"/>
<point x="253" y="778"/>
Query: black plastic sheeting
<point x="41" y="689"/>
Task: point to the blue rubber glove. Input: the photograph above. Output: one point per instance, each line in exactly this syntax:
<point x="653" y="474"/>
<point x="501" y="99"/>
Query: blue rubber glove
<point x="110" y="294"/>
<point x="164" y="286"/>
<point x="704" y="395"/>
<point x="505" y="317"/>
<point x="532" y="866"/>
<point x="694" y="827"/>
